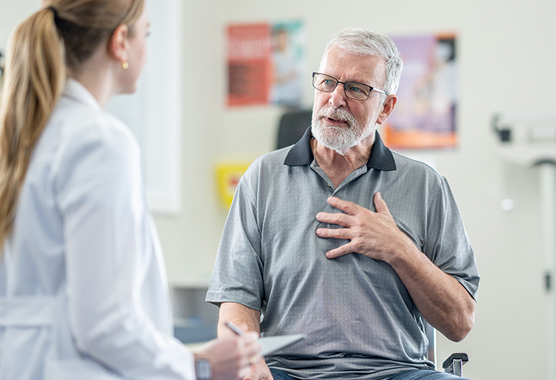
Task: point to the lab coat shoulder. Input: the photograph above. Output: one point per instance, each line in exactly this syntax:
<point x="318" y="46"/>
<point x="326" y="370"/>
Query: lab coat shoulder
<point x="97" y="159"/>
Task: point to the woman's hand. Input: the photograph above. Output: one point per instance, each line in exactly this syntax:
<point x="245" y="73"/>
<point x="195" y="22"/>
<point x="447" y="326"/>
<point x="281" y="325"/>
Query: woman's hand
<point x="231" y="357"/>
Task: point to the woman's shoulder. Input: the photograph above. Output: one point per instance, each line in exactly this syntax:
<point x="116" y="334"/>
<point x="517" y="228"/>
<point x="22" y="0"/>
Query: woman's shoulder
<point x="78" y="123"/>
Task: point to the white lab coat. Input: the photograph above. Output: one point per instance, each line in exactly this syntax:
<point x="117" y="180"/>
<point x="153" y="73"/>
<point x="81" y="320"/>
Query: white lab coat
<point x="83" y="291"/>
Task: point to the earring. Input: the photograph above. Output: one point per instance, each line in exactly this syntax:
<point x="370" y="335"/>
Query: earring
<point x="125" y="65"/>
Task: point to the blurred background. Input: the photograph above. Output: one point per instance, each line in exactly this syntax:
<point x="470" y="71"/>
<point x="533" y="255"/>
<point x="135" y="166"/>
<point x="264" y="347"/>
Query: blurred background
<point x="506" y="55"/>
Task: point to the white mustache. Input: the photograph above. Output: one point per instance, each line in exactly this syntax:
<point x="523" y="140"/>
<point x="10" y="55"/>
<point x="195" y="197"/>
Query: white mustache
<point x="337" y="114"/>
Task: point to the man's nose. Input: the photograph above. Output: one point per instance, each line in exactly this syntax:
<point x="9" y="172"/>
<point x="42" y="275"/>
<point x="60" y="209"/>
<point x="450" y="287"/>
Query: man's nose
<point x="338" y="96"/>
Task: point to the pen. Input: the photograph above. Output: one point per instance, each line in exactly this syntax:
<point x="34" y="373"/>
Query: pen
<point x="234" y="328"/>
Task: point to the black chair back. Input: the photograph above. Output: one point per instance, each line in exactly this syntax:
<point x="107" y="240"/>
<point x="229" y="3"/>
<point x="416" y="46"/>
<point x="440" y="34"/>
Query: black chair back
<point x="292" y="126"/>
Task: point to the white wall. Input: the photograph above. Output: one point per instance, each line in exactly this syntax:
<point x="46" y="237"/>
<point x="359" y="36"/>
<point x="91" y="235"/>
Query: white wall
<point x="11" y="14"/>
<point x="507" y="57"/>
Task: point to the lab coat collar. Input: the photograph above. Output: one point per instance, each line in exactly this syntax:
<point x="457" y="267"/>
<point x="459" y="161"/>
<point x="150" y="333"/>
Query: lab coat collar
<point x="381" y="157"/>
<point x="77" y="91"/>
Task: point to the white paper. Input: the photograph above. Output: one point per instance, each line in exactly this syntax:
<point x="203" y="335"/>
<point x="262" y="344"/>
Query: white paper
<point x="274" y="343"/>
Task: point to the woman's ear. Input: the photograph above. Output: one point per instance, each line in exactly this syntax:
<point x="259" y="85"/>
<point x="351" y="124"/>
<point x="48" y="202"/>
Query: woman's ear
<point x="117" y="46"/>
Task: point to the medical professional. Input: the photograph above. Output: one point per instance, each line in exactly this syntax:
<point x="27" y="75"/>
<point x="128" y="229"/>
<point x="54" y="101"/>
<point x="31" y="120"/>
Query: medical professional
<point x="83" y="291"/>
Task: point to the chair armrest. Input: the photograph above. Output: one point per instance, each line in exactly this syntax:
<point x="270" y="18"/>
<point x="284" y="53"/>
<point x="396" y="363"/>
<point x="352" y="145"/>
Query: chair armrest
<point x="455" y="363"/>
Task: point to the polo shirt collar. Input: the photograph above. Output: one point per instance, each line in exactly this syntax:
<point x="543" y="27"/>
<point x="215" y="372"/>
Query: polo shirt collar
<point x="301" y="154"/>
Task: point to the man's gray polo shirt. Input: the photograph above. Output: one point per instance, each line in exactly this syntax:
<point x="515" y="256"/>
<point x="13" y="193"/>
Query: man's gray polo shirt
<point x="360" y="320"/>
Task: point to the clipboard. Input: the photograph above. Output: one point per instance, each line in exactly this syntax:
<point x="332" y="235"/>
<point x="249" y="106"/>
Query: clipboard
<point x="271" y="344"/>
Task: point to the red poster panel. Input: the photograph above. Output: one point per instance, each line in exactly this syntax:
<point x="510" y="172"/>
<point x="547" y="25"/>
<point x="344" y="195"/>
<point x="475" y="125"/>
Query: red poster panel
<point x="249" y="64"/>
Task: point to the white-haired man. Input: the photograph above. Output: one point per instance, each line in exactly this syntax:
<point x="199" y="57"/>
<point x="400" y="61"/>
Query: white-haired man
<point x="342" y="239"/>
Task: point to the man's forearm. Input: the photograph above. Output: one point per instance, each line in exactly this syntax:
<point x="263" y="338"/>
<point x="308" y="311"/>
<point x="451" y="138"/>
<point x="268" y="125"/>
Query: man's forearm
<point x="244" y="317"/>
<point x="440" y="298"/>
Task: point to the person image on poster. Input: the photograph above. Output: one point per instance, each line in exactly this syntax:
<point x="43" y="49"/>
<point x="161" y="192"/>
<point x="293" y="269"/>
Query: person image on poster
<point x="286" y="88"/>
<point x="435" y="93"/>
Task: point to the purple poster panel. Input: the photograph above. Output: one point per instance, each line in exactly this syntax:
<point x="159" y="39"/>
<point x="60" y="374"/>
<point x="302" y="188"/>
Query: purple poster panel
<point x="425" y="113"/>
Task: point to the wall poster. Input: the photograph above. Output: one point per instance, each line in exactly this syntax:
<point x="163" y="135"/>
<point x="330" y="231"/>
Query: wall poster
<point x="265" y="63"/>
<point x="425" y="115"/>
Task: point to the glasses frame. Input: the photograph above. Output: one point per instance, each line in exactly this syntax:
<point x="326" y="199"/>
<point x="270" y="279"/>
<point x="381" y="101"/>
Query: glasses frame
<point x="371" y="89"/>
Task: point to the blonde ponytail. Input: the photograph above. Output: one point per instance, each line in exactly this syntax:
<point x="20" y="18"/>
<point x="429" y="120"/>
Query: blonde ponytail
<point x="45" y="48"/>
<point x="34" y="80"/>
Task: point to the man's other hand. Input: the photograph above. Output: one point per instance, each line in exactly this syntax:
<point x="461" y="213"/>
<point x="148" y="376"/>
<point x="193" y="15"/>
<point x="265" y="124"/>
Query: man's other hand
<point x="259" y="371"/>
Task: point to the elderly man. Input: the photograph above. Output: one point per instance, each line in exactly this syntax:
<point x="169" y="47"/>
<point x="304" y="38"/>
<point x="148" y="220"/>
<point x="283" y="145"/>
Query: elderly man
<point x="342" y="239"/>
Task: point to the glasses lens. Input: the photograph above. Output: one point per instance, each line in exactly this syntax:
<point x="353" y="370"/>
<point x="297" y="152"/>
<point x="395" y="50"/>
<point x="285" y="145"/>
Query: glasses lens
<point x="357" y="91"/>
<point x="324" y="82"/>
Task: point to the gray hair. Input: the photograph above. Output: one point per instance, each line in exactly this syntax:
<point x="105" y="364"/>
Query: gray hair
<point x="364" y="42"/>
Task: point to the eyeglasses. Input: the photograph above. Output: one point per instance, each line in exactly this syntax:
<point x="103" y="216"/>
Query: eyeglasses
<point x="353" y="90"/>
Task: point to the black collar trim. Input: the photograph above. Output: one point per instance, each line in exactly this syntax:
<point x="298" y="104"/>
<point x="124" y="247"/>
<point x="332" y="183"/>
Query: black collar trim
<point x="301" y="154"/>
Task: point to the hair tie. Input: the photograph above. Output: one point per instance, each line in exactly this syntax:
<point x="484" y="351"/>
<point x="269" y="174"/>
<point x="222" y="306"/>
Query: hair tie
<point x="56" y="18"/>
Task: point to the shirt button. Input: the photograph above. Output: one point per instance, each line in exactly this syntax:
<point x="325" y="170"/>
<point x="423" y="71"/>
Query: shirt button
<point x="329" y="185"/>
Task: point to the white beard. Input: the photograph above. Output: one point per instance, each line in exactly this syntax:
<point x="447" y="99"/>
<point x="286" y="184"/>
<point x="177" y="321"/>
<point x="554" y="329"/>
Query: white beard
<point x="339" y="139"/>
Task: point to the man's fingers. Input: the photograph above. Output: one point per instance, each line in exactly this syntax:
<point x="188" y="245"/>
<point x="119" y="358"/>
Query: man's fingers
<point x="336" y="233"/>
<point x="258" y="371"/>
<point x="338" y="218"/>
<point x="380" y="205"/>
<point x="349" y="208"/>
<point x="340" y="251"/>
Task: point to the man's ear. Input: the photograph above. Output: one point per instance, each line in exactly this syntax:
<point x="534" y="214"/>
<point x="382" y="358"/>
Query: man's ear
<point x="117" y="46"/>
<point x="387" y="108"/>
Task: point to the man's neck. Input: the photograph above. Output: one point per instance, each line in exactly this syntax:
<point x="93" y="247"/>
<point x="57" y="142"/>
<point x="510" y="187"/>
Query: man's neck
<point x="338" y="166"/>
